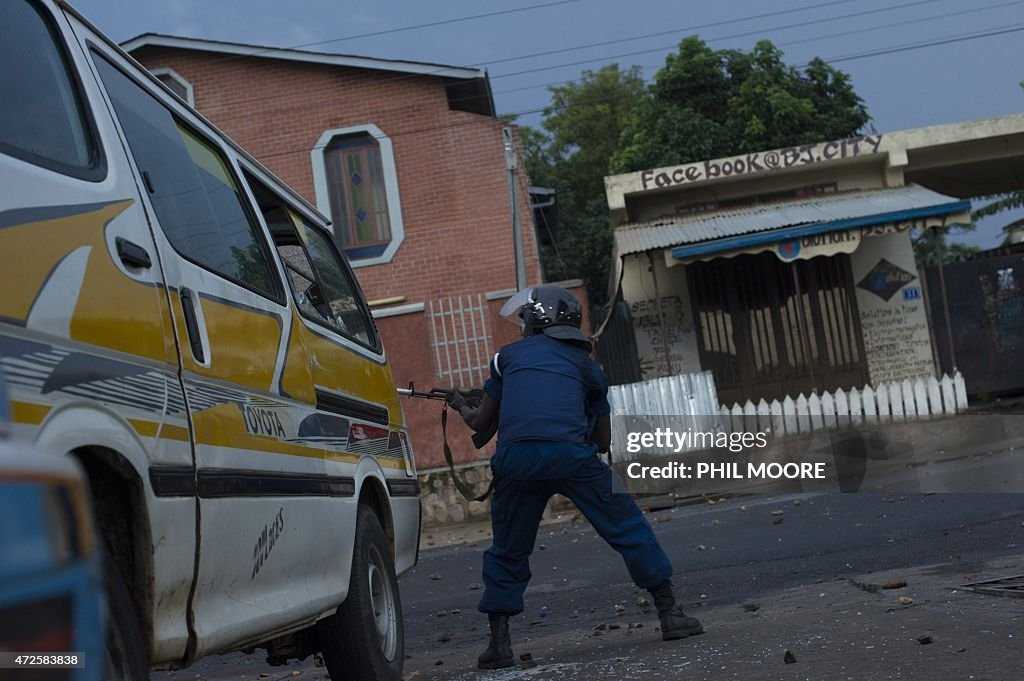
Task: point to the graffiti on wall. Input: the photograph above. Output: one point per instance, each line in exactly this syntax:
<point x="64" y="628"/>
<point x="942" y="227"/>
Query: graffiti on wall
<point x="761" y="161"/>
<point x="1003" y="309"/>
<point x="893" y="336"/>
<point x="660" y="325"/>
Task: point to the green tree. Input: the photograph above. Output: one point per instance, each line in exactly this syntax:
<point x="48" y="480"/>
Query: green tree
<point x="925" y="252"/>
<point x="709" y="103"/>
<point x="702" y="104"/>
<point x="1000" y="203"/>
<point x="581" y="130"/>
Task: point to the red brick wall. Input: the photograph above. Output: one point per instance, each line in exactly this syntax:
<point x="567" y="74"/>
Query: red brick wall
<point x="410" y="356"/>
<point x="452" y="183"/>
<point x="451" y="169"/>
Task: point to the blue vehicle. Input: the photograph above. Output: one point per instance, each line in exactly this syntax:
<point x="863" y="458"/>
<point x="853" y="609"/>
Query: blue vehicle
<point x="51" y="579"/>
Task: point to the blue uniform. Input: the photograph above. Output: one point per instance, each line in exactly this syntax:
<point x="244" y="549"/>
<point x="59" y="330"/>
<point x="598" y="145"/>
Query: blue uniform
<point x="551" y="394"/>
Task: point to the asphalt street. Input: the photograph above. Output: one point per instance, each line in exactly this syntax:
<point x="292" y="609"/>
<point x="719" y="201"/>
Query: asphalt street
<point x="764" y="573"/>
<point x="728" y="556"/>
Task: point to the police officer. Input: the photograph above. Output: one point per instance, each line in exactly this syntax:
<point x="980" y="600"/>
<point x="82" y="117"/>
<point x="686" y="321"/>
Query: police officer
<point x="550" y="400"/>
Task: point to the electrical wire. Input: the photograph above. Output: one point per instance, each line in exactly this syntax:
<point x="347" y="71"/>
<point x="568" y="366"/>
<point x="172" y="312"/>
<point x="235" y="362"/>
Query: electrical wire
<point x="851" y="57"/>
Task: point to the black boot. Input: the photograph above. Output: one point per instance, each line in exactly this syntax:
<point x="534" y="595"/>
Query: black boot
<point x="674" y="622"/>
<point x="499" y="650"/>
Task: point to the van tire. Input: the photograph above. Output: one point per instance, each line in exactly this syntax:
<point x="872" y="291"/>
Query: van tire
<point x="365" y="638"/>
<point x="125" y="650"/>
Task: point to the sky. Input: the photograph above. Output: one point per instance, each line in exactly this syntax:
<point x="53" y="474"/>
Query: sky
<point x="967" y="63"/>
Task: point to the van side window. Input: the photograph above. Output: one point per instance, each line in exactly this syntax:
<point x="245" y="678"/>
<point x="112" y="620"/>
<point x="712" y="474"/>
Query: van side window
<point x="322" y="286"/>
<point x="190" y="185"/>
<point x="43" y="122"/>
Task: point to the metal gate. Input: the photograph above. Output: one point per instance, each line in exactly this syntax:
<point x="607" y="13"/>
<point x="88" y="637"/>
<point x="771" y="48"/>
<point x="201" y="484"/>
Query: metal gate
<point x="985" y="300"/>
<point x="767" y="328"/>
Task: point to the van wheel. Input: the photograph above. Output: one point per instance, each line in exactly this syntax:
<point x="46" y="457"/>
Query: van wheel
<point x="126" y="653"/>
<point x="365" y="638"/>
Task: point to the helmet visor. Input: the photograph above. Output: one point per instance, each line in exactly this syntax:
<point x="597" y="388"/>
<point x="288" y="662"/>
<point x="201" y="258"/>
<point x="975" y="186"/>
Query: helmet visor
<point x="513" y="307"/>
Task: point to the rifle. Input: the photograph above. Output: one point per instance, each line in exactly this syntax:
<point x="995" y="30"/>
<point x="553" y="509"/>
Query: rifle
<point x="473" y="397"/>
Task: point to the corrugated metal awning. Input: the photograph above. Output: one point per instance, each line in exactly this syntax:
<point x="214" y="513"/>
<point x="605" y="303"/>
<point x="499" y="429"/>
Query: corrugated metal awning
<point x="737" y="227"/>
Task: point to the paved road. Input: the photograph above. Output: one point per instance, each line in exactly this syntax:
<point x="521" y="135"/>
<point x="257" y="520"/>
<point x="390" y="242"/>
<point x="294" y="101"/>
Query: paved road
<point x="742" y="558"/>
<point x="810" y="572"/>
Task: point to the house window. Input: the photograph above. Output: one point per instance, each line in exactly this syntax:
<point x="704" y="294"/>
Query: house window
<point x="177" y="84"/>
<point x="356" y="184"/>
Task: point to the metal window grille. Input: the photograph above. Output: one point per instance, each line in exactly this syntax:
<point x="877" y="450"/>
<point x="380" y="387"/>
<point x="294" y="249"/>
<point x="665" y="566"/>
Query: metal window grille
<point x="461" y="341"/>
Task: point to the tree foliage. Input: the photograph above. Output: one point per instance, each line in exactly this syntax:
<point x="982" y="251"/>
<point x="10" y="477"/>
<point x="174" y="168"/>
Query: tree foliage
<point x="702" y="104"/>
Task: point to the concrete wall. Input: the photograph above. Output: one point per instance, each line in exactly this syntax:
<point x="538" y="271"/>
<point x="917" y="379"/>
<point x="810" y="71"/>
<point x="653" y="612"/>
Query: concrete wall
<point x="892" y="313"/>
<point x="660" y="321"/>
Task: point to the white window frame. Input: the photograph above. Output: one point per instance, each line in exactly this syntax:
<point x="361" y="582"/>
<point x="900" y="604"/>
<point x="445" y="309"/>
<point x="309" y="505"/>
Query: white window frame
<point x="190" y="93"/>
<point x="387" y="156"/>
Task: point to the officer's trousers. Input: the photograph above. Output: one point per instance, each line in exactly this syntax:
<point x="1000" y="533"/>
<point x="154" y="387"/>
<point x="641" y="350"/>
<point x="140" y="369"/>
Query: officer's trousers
<point x="517" y="505"/>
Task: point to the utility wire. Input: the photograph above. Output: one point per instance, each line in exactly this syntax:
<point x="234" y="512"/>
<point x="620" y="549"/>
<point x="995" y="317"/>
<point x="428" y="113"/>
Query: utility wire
<point x="851" y="57"/>
<point x="744" y="34"/>
<point x="802" y="40"/>
<point x="405" y="76"/>
<point x="442" y="22"/>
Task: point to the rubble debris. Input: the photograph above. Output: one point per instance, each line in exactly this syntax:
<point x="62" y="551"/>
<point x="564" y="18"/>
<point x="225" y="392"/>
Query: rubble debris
<point x="711" y="502"/>
<point x="796" y="502"/>
<point x="701" y="547"/>
<point x="777" y="512"/>
<point x="642" y="601"/>
<point x="895" y="584"/>
<point x="614" y="626"/>
<point x="906" y="600"/>
<point x="412" y="676"/>
<point x="474" y="586"/>
<point x="444" y="637"/>
<point x="455" y="611"/>
<point x="743" y="508"/>
<point x="435" y="576"/>
<point x="664" y="518"/>
<point x="636" y="625"/>
<point x="541" y="547"/>
<point x="619" y="608"/>
<point x="777" y="521"/>
<point x="789" y="657"/>
<point x="716" y="521"/>
<point x="601" y="627"/>
<point x="751" y="607"/>
<point x="925" y="640"/>
<point x="527" y="664"/>
<point x="441" y="613"/>
<point x="439" y="663"/>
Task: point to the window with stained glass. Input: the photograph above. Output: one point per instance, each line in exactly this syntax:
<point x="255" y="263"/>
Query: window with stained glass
<point x="358" y="197"/>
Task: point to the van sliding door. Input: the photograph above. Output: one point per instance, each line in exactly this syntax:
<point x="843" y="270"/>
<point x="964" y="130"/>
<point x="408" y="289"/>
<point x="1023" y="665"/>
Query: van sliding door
<point x="261" y="487"/>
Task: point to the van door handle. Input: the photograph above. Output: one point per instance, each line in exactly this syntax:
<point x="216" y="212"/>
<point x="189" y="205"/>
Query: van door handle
<point x="192" y="326"/>
<point x="132" y="254"/>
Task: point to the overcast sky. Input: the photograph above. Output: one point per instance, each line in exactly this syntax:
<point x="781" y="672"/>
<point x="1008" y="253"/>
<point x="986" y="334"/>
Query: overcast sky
<point x="958" y="80"/>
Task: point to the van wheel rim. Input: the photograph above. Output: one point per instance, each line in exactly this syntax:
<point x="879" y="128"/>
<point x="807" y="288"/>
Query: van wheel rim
<point x="382" y="601"/>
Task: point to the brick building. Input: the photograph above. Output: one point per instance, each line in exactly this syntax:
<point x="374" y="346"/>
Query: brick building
<point x="408" y="161"/>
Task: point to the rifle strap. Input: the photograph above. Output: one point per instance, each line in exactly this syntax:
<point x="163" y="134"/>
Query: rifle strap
<point x="460" y="484"/>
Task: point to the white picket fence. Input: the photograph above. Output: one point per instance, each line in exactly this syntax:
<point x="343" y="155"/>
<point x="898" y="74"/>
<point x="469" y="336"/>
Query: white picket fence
<point x="907" y="400"/>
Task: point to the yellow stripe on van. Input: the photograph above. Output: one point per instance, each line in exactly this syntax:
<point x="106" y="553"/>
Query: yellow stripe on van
<point x="144" y="428"/>
<point x="28" y="413"/>
<point x="169" y="432"/>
